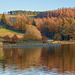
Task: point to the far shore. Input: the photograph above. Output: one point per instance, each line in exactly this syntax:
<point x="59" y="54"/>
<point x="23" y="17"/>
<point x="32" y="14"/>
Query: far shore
<point x="62" y="42"/>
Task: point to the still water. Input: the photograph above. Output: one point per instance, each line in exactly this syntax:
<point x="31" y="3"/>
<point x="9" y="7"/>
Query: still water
<point x="56" y="60"/>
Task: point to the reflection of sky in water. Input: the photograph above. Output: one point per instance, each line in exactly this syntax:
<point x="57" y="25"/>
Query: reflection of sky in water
<point x="33" y="71"/>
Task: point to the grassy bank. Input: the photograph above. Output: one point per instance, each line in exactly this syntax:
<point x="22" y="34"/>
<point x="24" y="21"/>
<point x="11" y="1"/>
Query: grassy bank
<point x="4" y="32"/>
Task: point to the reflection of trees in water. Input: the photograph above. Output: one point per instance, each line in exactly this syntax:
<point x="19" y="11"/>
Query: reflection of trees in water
<point x="47" y="55"/>
<point x="62" y="57"/>
<point x="10" y="54"/>
<point x="68" y="57"/>
<point x="22" y="57"/>
<point x="31" y="56"/>
<point x="2" y="61"/>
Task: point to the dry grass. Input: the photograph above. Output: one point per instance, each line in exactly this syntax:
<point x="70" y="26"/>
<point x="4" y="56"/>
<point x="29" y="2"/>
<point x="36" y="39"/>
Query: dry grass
<point x="6" y="15"/>
<point x="11" y="16"/>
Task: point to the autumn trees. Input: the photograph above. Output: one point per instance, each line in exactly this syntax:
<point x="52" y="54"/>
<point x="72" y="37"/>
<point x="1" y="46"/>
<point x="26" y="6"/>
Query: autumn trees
<point x="32" y="33"/>
<point x="56" y="28"/>
<point x="58" y="24"/>
<point x="64" y="12"/>
<point x="72" y="32"/>
<point x="20" y="22"/>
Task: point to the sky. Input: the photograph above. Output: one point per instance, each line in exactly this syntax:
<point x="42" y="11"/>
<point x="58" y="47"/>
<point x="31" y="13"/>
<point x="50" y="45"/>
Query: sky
<point x="34" y="5"/>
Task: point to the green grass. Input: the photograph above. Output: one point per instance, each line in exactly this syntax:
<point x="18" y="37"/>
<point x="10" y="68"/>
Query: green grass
<point x="4" y="32"/>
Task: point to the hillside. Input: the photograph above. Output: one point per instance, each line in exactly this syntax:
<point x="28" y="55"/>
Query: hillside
<point x="4" y="32"/>
<point x="57" y="24"/>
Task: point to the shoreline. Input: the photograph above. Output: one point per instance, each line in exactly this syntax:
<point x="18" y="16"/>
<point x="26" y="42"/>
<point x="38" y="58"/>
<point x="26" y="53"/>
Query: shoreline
<point x="64" y="42"/>
<point x="31" y="45"/>
<point x="50" y="43"/>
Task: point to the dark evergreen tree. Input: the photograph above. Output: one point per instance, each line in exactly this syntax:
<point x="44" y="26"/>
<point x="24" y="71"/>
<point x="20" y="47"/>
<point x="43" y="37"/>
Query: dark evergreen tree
<point x="34" y="23"/>
<point x="3" y="19"/>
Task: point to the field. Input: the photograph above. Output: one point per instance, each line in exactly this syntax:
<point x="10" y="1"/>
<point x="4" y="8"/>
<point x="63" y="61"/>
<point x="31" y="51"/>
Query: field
<point x="4" y="32"/>
<point x="8" y="15"/>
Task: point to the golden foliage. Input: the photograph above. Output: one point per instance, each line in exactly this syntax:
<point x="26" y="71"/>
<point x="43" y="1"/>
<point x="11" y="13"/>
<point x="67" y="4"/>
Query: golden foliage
<point x="32" y="33"/>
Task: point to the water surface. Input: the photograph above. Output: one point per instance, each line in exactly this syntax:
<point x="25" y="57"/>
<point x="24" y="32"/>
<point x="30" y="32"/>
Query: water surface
<point x="57" y="60"/>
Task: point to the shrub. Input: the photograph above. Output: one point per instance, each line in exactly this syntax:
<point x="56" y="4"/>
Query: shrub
<point x="15" y="39"/>
<point x="32" y="33"/>
<point x="44" y="39"/>
<point x="7" y="39"/>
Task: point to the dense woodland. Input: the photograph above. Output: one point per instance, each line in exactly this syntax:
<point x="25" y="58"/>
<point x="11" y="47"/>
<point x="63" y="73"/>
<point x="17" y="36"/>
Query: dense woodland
<point x="64" y="12"/>
<point x="58" y="24"/>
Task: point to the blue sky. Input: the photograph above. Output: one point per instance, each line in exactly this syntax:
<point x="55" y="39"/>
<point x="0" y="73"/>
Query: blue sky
<point x="34" y="5"/>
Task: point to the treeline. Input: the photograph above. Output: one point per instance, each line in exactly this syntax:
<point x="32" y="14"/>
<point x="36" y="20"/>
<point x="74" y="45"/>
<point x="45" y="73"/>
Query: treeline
<point x="64" y="12"/>
<point x="20" y="12"/>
